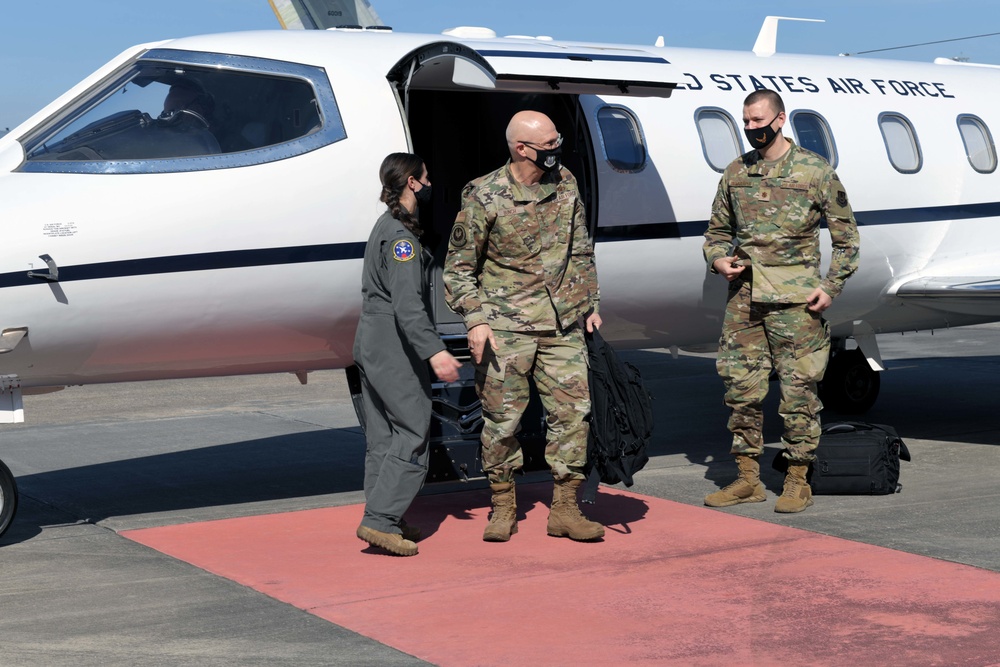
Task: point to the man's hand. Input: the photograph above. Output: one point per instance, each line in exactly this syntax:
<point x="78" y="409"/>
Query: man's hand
<point x="594" y="321"/>
<point x="479" y="335"/>
<point x="445" y="366"/>
<point x="728" y="267"/>
<point x="819" y="301"/>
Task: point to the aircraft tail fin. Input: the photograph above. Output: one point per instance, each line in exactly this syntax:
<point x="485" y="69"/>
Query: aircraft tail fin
<point x="324" y="14"/>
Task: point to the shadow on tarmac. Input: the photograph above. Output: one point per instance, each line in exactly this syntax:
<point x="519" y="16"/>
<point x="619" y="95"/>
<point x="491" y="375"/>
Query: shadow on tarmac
<point x="295" y="465"/>
<point x="924" y="398"/>
<point x="932" y="398"/>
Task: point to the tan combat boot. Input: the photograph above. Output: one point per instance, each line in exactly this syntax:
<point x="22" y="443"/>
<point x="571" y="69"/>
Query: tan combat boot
<point x="746" y="489"/>
<point x="565" y="518"/>
<point x="394" y="543"/>
<point x="797" y="494"/>
<point x="503" y="520"/>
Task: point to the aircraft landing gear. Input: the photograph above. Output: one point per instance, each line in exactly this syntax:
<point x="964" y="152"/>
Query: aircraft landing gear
<point x="8" y="498"/>
<point x="850" y="386"/>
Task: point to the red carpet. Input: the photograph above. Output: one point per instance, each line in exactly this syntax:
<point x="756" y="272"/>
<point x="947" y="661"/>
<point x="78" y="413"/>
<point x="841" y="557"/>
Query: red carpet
<point x="670" y="584"/>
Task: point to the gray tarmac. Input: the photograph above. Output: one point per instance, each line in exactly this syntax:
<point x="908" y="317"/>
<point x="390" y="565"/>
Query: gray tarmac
<point x="92" y="461"/>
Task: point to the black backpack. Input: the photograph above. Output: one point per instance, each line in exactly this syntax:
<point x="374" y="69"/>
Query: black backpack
<point x="621" y="419"/>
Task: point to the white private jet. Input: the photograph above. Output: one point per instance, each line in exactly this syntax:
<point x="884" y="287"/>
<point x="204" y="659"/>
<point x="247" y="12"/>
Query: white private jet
<point x="225" y="236"/>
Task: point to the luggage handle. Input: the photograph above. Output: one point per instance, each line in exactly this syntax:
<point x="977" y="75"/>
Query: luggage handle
<point x="847" y="427"/>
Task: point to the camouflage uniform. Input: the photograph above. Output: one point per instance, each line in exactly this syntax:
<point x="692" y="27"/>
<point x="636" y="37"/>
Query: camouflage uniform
<point x="772" y="212"/>
<point x="520" y="260"/>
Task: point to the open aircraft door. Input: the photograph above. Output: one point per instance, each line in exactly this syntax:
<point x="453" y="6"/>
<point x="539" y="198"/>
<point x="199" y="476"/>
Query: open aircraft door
<point x="457" y="98"/>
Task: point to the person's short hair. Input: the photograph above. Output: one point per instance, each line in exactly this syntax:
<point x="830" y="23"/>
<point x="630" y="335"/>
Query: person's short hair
<point x="773" y="98"/>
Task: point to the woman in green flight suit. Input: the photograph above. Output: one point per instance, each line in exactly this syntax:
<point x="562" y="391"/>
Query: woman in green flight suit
<point x="394" y="342"/>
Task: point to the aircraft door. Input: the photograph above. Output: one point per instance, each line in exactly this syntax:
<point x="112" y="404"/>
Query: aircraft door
<point x="631" y="189"/>
<point x="457" y="108"/>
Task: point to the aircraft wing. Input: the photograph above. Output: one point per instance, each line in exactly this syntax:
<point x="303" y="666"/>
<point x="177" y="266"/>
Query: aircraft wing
<point x="323" y="14"/>
<point x="972" y="295"/>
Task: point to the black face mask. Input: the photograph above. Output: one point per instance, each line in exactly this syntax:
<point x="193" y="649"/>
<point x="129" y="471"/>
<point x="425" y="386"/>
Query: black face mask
<point x="423" y="195"/>
<point x="547" y="160"/>
<point x="761" y="137"/>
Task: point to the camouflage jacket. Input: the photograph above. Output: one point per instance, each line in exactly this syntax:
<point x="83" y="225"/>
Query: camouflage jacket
<point x="519" y="258"/>
<point x="772" y="214"/>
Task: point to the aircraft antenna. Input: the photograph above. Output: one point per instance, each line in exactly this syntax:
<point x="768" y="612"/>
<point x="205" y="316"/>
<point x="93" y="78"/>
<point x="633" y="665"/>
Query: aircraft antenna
<point x="910" y="46"/>
<point x="767" y="38"/>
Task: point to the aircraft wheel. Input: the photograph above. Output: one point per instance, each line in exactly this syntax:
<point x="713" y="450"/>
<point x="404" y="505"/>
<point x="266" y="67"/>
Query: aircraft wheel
<point x="850" y="386"/>
<point x="8" y="498"/>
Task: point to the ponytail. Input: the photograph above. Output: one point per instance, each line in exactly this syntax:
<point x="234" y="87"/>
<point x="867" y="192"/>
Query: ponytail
<point x="394" y="173"/>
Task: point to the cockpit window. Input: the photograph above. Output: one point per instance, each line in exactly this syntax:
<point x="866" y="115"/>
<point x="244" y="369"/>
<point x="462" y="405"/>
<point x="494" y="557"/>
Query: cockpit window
<point x="172" y="111"/>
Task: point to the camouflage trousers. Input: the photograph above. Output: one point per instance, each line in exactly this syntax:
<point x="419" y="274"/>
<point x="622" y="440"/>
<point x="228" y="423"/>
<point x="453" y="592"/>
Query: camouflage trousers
<point x="792" y="340"/>
<point x="558" y="365"/>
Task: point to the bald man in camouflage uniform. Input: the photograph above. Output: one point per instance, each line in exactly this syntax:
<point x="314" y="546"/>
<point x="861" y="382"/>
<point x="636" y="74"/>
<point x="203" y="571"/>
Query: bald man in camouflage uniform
<point x="763" y="237"/>
<point x="520" y="271"/>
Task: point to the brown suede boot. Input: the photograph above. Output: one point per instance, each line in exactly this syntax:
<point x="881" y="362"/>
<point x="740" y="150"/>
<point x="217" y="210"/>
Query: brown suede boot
<point x="746" y="489"/>
<point x="797" y="494"/>
<point x="503" y="519"/>
<point x="565" y="518"/>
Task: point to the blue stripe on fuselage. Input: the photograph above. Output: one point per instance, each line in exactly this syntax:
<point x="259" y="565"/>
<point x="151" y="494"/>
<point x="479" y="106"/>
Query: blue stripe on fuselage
<point x="233" y="259"/>
<point x="676" y="230"/>
<point x="575" y="56"/>
<point x="209" y="261"/>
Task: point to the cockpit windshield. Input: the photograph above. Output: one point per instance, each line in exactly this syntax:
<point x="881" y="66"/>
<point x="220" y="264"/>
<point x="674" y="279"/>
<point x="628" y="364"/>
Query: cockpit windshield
<point x="161" y="114"/>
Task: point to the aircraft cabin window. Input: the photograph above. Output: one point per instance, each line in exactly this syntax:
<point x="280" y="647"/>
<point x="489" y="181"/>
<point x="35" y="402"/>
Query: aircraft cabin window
<point x="720" y="141"/>
<point x="900" y="143"/>
<point x="172" y="111"/>
<point x="979" y="147"/>
<point x="622" y="139"/>
<point x="813" y="133"/>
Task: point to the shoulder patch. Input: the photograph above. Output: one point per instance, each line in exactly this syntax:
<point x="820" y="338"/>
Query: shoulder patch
<point x="841" y="198"/>
<point x="402" y="250"/>
<point x="458" y="235"/>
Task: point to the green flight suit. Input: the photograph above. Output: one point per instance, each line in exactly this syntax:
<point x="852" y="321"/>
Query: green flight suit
<point x="395" y="338"/>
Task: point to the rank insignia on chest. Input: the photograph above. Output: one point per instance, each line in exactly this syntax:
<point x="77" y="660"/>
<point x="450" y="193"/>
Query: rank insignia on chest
<point x="402" y="251"/>
<point x="763" y="194"/>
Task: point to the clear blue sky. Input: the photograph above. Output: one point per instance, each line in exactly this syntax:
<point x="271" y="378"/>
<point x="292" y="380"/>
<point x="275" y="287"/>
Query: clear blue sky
<point x="48" y="45"/>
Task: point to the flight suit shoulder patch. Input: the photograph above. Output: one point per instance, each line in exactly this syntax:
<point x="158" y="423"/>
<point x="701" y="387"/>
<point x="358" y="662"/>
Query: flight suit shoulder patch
<point x="402" y="250"/>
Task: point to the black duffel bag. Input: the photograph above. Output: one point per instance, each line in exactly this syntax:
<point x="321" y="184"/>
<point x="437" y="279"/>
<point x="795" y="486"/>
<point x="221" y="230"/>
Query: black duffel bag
<point x="854" y="458"/>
